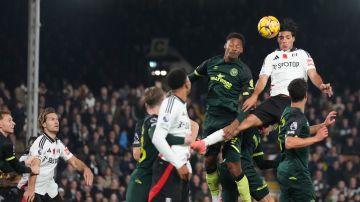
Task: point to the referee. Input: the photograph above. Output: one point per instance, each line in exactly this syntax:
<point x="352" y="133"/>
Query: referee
<point x="8" y="161"/>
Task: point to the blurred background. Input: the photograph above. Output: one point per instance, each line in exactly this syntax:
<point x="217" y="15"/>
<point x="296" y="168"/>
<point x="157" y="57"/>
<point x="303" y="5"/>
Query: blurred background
<point x="96" y="58"/>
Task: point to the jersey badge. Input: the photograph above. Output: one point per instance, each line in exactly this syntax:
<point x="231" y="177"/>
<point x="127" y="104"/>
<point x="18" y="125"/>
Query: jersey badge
<point x="166" y="118"/>
<point x="284" y="56"/>
<point x="234" y="72"/>
<point x="293" y="126"/>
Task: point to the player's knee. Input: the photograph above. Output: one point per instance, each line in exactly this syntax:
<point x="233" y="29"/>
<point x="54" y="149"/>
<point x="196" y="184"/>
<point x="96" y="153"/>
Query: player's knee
<point x="210" y="164"/>
<point x="234" y="168"/>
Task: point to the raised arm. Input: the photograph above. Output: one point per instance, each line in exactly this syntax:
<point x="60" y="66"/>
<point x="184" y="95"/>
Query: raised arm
<point x="293" y="142"/>
<point x="199" y="72"/>
<point x="330" y="119"/>
<point x="259" y="87"/>
<point x="80" y="166"/>
<point x="318" y="82"/>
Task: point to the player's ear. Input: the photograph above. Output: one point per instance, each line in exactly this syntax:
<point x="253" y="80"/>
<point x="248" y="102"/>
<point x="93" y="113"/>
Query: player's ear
<point x="43" y="125"/>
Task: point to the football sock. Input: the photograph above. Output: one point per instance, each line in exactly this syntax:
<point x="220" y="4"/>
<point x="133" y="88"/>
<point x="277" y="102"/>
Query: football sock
<point x="242" y="184"/>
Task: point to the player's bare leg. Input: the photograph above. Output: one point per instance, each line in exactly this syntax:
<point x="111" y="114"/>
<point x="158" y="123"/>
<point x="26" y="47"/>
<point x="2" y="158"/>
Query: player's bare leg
<point x="248" y="122"/>
<point x="212" y="177"/>
<point x="240" y="180"/>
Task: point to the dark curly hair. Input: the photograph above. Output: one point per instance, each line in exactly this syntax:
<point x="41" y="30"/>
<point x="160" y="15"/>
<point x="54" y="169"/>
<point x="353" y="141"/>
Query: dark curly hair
<point x="288" y="24"/>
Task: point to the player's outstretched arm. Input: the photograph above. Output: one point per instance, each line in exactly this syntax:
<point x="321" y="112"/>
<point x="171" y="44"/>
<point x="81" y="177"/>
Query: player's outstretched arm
<point x="330" y="120"/>
<point x="297" y="142"/>
<point x="29" y="194"/>
<point x="318" y="82"/>
<point x="80" y="166"/>
<point x="259" y="87"/>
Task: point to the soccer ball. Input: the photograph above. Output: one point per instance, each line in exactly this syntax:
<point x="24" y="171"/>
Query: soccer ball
<point x="268" y="27"/>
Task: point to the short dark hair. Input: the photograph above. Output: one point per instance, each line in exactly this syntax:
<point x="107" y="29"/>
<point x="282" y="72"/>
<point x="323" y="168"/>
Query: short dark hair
<point x="236" y="35"/>
<point x="42" y="116"/>
<point x="153" y="95"/>
<point x="3" y="112"/>
<point x="176" y="78"/>
<point x="290" y="25"/>
<point x="297" y="89"/>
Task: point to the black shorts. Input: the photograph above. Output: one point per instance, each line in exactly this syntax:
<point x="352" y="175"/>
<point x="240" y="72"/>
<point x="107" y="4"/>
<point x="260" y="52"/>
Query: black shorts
<point x="166" y="184"/>
<point x="270" y="111"/>
<point x="47" y="198"/>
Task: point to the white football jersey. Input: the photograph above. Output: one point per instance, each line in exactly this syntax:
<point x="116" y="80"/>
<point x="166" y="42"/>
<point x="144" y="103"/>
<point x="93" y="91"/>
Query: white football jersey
<point x="173" y="117"/>
<point x="25" y="177"/>
<point x="284" y="66"/>
<point x="48" y="151"/>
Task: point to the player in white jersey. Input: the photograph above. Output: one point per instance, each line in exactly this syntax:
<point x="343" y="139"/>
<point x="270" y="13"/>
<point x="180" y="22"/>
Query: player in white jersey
<point x="47" y="149"/>
<point x="282" y="66"/>
<point x="171" y="171"/>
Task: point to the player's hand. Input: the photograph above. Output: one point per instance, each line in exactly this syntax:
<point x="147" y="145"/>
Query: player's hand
<point x="322" y="133"/>
<point x="330" y="118"/>
<point x="88" y="176"/>
<point x="29" y="195"/>
<point x="184" y="172"/>
<point x="229" y="130"/>
<point x="228" y="137"/>
<point x="249" y="103"/>
<point x="326" y="88"/>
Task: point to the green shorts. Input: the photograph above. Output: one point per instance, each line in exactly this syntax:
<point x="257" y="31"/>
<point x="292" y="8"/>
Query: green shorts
<point x="231" y="149"/>
<point x="295" y="188"/>
<point x="258" y="186"/>
<point x="139" y="186"/>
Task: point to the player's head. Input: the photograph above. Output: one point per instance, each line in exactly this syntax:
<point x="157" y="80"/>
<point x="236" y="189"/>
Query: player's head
<point x="48" y="121"/>
<point x="153" y="97"/>
<point x="234" y="45"/>
<point x="286" y="37"/>
<point x="298" y="90"/>
<point x="177" y="79"/>
<point x="7" y="123"/>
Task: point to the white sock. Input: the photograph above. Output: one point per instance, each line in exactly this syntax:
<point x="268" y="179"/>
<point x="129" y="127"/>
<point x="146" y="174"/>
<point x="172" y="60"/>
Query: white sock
<point x="215" y="198"/>
<point x="214" y="137"/>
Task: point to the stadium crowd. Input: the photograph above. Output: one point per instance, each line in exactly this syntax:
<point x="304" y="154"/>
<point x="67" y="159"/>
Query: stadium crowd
<point x="98" y="126"/>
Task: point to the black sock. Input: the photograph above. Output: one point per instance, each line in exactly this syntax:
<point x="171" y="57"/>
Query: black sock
<point x="238" y="178"/>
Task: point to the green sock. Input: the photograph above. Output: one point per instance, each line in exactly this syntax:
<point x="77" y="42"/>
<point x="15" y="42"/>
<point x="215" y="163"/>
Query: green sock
<point x="243" y="189"/>
<point x="212" y="180"/>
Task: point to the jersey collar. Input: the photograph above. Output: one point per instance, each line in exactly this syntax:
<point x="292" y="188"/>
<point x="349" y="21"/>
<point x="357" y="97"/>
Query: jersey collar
<point x="182" y="101"/>
<point x="50" y="139"/>
<point x="291" y="50"/>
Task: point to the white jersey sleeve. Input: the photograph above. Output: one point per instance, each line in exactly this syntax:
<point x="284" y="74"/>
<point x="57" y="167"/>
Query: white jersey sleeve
<point x="64" y="151"/>
<point x="267" y="66"/>
<point x="37" y="148"/>
<point x="168" y="114"/>
<point x="307" y="61"/>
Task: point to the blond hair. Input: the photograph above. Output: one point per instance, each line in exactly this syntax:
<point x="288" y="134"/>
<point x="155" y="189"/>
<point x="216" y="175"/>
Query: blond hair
<point x="42" y="116"/>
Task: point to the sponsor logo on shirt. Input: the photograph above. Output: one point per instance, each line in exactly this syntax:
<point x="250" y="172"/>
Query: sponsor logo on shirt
<point x="285" y="64"/>
<point x="220" y="78"/>
<point x="276" y="57"/>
